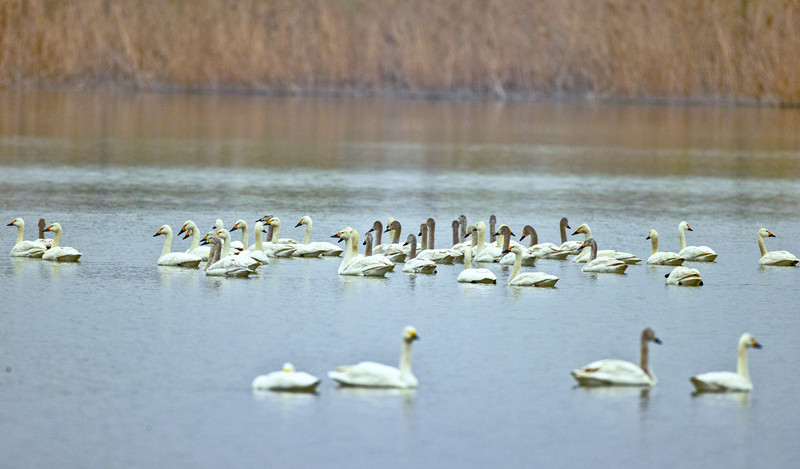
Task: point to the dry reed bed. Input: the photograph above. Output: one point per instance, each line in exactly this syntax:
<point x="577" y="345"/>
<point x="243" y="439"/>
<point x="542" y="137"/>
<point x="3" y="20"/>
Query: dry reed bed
<point x="684" y="49"/>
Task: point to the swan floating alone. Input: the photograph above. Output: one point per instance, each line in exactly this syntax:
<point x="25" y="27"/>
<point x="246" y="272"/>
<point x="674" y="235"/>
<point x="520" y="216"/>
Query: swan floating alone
<point x="684" y="276"/>
<point x="378" y="375"/>
<point x="596" y="264"/>
<point x="354" y="264"/>
<point x="177" y="258"/>
<point x="528" y="279"/>
<point x="25" y="248"/>
<point x="583" y="256"/>
<point x="415" y="265"/>
<point x="470" y="275"/>
<point x="619" y="372"/>
<point x="57" y="252"/>
<point x="328" y="249"/>
<point x="694" y="253"/>
<point x="287" y="380"/>
<point x="728" y="381"/>
<point x="779" y="258"/>
<point x="661" y="257"/>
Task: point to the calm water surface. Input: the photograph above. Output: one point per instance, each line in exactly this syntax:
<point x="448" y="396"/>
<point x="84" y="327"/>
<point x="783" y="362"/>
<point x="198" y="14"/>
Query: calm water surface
<point x="115" y="362"/>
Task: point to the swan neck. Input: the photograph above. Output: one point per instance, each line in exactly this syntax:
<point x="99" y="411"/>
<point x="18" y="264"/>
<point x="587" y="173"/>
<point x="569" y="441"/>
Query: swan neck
<point x="431" y="233"/>
<point x="405" y="359"/>
<point x="167" y="244"/>
<point x="353" y="244"/>
<point x="42" y="226"/>
<point x="517" y="265"/>
<point x="481" y="234"/>
<point x="462" y="229"/>
<point x="226" y="246"/>
<point x="492" y="231"/>
<point x="20" y="232"/>
<point x="644" y="357"/>
<point x="307" y="236"/>
<point x="741" y="363"/>
<point x="653" y="244"/>
<point x="593" y="247"/>
<point x="682" y="236"/>
<point x="563" y="228"/>
<point x="761" y="245"/>
<point x="276" y="232"/>
<point x="214" y="255"/>
<point x="412" y="251"/>
<point x="396" y="234"/>
<point x="368" y="245"/>
<point x="506" y="240"/>
<point x="270" y="232"/>
<point x="467" y="258"/>
<point x="56" y="239"/>
<point x="455" y="233"/>
<point x="195" y="238"/>
<point x="259" y="240"/>
<point x="423" y="229"/>
<point x="245" y="236"/>
<point x="378" y="234"/>
<point x="534" y="238"/>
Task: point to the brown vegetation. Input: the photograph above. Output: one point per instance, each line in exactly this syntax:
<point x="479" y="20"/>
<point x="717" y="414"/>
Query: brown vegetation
<point x="679" y="49"/>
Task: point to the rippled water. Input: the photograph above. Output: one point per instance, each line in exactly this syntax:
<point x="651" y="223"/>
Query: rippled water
<point x="117" y="362"/>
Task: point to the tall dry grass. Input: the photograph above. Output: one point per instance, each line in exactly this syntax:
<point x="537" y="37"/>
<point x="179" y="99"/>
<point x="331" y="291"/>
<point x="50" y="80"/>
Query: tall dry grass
<point x="686" y="49"/>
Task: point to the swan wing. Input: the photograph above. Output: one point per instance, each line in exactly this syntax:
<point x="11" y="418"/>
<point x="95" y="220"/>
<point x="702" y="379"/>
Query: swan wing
<point x="721" y="381"/>
<point x="698" y="253"/>
<point x="282" y="381"/>
<point x="534" y="279"/>
<point x="781" y="258"/>
<point x="368" y="374"/>
<point x="62" y="254"/>
<point x="28" y="249"/>
<point x="665" y="258"/>
<point x="605" y="265"/>
<point x="419" y="266"/>
<point x="179" y="259"/>
<point x="480" y="275"/>
<point x="612" y="373"/>
<point x="367" y="266"/>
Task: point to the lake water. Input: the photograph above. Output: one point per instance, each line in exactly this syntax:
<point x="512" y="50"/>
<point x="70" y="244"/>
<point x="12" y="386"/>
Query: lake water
<point x="115" y="362"/>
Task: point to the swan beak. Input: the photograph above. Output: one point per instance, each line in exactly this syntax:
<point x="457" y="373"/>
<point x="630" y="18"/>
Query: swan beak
<point x="770" y="235"/>
<point x="576" y="232"/>
<point x="756" y="344"/>
<point x="657" y="340"/>
<point x="523" y="236"/>
<point x="11" y="224"/>
<point x="298" y="223"/>
<point x="387" y="230"/>
<point x="157" y="233"/>
<point x="405" y="244"/>
<point x="235" y="227"/>
<point x="506" y="251"/>
<point x="371" y="230"/>
<point x="689" y="228"/>
<point x="511" y="233"/>
<point x="48" y="228"/>
<point x="648" y="237"/>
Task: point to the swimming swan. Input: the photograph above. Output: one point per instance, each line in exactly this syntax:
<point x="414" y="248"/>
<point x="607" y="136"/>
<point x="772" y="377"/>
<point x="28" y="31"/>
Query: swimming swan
<point x="190" y="228"/>
<point x="583" y="256"/>
<point x="235" y="245"/>
<point x="368" y="253"/>
<point x="257" y="254"/>
<point x="378" y="375"/>
<point x="300" y="250"/>
<point x="728" y="381"/>
<point x="684" y="276"/>
<point x="57" y="252"/>
<point x="619" y="372"/>
<point x="484" y="252"/>
<point x="394" y="251"/>
<point x="694" y="253"/>
<point x="328" y="249"/>
<point x="661" y="257"/>
<point x="528" y="279"/>
<point x="353" y="263"/>
<point x="596" y="264"/>
<point x="781" y="258"/>
<point x="572" y="247"/>
<point x="229" y="266"/>
<point x="287" y="380"/>
<point x="238" y="259"/>
<point x="470" y="275"/>
<point x="542" y="250"/>
<point x="415" y="265"/>
<point x="25" y="248"/>
<point x="177" y="258"/>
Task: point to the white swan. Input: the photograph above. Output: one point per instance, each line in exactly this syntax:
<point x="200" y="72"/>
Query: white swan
<point x="235" y="245"/>
<point x="484" y="252"/>
<point x="596" y="264"/>
<point x="269" y="248"/>
<point x="694" y="253"/>
<point x="728" y="381"/>
<point x="329" y="249"/>
<point x="415" y="265"/>
<point x="470" y="275"/>
<point x="354" y="264"/>
<point x="257" y="254"/>
<point x="190" y="228"/>
<point x="780" y="258"/>
<point x="684" y="276"/>
<point x="661" y="257"/>
<point x="25" y="248"/>
<point x="572" y="247"/>
<point x="238" y="259"/>
<point x="368" y="252"/>
<point x="428" y="251"/>
<point x="57" y="252"/>
<point x="300" y="250"/>
<point x="378" y="375"/>
<point x="542" y="250"/>
<point x="394" y="251"/>
<point x="619" y="372"/>
<point x="583" y="256"/>
<point x="175" y="259"/>
<point x="528" y="279"/>
<point x="287" y="380"/>
<point x="229" y="266"/>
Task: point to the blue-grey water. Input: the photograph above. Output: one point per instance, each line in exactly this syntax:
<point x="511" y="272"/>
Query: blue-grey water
<point x="115" y="362"/>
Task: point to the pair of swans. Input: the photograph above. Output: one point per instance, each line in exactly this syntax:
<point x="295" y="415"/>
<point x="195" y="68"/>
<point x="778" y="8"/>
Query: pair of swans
<point x="22" y="248"/>
<point x="394" y="251"/>
<point x="474" y="275"/>
<point x="611" y="372"/>
<point x="287" y="380"/>
<point x="298" y="250"/>
<point x="693" y="253"/>
<point x="779" y="258"/>
<point x="328" y="249"/>
<point x="527" y="279"/>
<point x="355" y="264"/>
<point x="585" y="255"/>
<point x="608" y="264"/>
<point x="227" y="265"/>
<point x="57" y="252"/>
<point x="175" y="259"/>
<point x="503" y="237"/>
<point x="377" y="375"/>
<point x="728" y="381"/>
<point x="413" y="264"/>
<point x="661" y="257"/>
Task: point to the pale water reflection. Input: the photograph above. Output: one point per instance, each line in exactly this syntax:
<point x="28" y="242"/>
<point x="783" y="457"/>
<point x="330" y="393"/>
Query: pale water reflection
<point x="114" y="361"/>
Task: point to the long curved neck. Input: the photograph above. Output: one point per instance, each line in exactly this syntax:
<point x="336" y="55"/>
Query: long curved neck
<point x="492" y="229"/>
<point x="259" y="241"/>
<point x="276" y="231"/>
<point x="653" y="244"/>
<point x="412" y="245"/>
<point x="534" y="237"/>
<point x="506" y="240"/>
<point x="761" y="245"/>
<point x="20" y="232"/>
<point x="214" y="255"/>
<point x="42" y="226"/>
<point x="481" y="234"/>
<point x="395" y="233"/>
<point x="563" y="227"/>
<point x="467" y="258"/>
<point x="307" y="236"/>
<point x="270" y="232"/>
<point x="517" y="266"/>
<point x="423" y="230"/>
<point x="587" y="233"/>
<point x="245" y="236"/>
<point x="195" y="238"/>
<point x="462" y="227"/>
<point x="405" y="358"/>
<point x="455" y="232"/>
<point x="593" y="246"/>
<point x="378" y="233"/>
<point x="56" y="239"/>
<point x="167" y="243"/>
<point x="368" y="244"/>
<point x="226" y="246"/>
<point x="431" y="233"/>
<point x="741" y="364"/>
<point x="682" y="236"/>
<point x="644" y="357"/>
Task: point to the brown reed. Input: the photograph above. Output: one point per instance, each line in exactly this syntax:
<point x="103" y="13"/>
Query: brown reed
<point x="706" y="50"/>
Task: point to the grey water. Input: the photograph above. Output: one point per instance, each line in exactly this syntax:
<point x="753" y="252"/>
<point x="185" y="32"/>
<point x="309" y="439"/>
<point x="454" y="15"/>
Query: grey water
<point x="116" y="362"/>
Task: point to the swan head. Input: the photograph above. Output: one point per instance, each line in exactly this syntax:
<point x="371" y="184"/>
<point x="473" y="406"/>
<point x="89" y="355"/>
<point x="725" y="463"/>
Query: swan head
<point x="684" y="226"/>
<point x="164" y="230"/>
<point x="410" y="240"/>
<point x="649" y="335"/>
<point x="240" y="224"/>
<point x="515" y="249"/>
<point x="288" y="368"/>
<point x="392" y="225"/>
<point x="526" y="230"/>
<point x="306" y="220"/>
<point x="749" y="341"/>
<point x="264" y="218"/>
<point x="367" y="238"/>
<point x="584" y="228"/>
<point x="343" y="235"/>
<point x="218" y="225"/>
<point x="17" y="222"/>
<point x="652" y="235"/>
<point x="186" y="227"/>
<point x="765" y="233"/>
<point x="376" y="226"/>
<point x="210" y="238"/>
<point x="504" y="230"/>
<point x="224" y="234"/>
<point x="564" y="222"/>
<point x="410" y="334"/>
<point x="274" y="221"/>
<point x="55" y="228"/>
<point x="470" y="229"/>
<point x="589" y="242"/>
